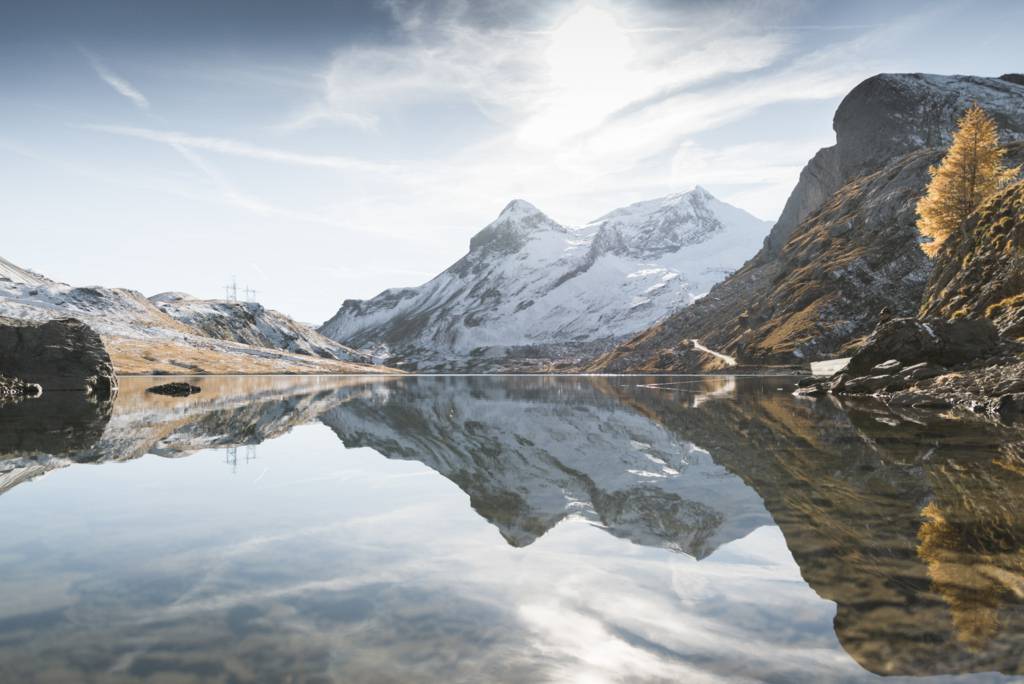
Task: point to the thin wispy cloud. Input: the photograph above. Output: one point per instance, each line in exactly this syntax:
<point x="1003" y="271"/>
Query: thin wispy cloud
<point x="119" y="84"/>
<point x="240" y="148"/>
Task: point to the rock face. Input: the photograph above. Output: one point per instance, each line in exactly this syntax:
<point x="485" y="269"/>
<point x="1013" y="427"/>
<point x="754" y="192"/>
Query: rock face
<point x="846" y="245"/>
<point x="531" y="287"/>
<point x="59" y="355"/>
<point x="934" y="363"/>
<point x="933" y="341"/>
<point x="886" y="117"/>
<point x="979" y="273"/>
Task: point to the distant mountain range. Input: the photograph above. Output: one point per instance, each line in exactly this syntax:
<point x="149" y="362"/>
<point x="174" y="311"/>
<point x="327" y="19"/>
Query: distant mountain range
<point x="532" y="290"/>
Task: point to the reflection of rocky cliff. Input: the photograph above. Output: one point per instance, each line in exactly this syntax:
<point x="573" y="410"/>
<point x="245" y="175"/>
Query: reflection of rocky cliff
<point x="35" y="434"/>
<point x="913" y="529"/>
<point x="530" y="452"/>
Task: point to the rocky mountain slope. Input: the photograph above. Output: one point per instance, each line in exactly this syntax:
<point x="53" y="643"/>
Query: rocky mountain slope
<point x="980" y="272"/>
<point x="253" y="324"/>
<point x="846" y="245"/>
<point x="142" y="338"/>
<point x="16" y="274"/>
<point x="965" y="349"/>
<point x="531" y="290"/>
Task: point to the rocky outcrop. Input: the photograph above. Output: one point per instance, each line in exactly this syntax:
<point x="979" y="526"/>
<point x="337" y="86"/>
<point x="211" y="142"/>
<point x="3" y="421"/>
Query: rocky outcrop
<point x="59" y="355"/>
<point x="886" y="117"/>
<point x="979" y="273"/>
<point x="954" y="354"/>
<point x="934" y="341"/>
<point x="934" y="364"/>
<point x="846" y="245"/>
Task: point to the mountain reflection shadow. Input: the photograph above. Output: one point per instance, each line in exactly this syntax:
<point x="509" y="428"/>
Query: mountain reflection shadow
<point x="912" y="525"/>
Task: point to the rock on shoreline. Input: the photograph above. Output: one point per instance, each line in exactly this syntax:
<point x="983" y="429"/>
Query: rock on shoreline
<point x="934" y="364"/>
<point x="59" y="355"/>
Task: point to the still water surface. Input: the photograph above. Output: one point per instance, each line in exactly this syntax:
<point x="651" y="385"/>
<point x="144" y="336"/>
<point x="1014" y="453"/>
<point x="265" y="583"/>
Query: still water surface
<point x="505" y="529"/>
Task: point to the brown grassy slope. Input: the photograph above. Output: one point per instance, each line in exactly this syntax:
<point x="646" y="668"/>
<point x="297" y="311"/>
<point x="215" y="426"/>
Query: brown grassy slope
<point x="155" y="356"/>
<point x="979" y="273"/>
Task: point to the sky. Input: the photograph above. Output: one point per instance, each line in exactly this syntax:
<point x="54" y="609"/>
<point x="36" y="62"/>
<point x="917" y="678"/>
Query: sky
<point x="322" y="151"/>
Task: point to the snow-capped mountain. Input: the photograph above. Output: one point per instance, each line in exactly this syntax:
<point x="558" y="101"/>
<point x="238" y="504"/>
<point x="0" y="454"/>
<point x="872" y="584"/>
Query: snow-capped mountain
<point x="532" y="286"/>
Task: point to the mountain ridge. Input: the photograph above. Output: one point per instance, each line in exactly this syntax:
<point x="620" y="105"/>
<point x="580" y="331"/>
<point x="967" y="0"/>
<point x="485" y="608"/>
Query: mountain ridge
<point x="529" y="282"/>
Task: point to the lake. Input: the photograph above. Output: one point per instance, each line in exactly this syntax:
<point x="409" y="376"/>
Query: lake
<point x="505" y="529"/>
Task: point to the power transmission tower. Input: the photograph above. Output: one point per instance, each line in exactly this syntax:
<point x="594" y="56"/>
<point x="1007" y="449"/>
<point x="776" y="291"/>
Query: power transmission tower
<point x="250" y="294"/>
<point x="231" y="290"/>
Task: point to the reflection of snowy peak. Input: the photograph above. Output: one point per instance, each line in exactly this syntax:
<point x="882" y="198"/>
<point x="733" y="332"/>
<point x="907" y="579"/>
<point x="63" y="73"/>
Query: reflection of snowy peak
<point x="530" y="456"/>
<point x="530" y="282"/>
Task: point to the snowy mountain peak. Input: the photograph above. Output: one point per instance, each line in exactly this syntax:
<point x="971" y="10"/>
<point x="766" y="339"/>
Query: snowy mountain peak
<point x="517" y="210"/>
<point x="665" y="225"/>
<point x="509" y="232"/>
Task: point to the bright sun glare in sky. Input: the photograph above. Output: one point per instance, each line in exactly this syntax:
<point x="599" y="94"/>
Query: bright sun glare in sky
<point x="588" y="61"/>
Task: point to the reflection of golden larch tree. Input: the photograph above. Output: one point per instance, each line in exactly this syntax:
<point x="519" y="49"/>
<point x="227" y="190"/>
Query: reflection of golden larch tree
<point x="972" y="540"/>
<point x="972" y="170"/>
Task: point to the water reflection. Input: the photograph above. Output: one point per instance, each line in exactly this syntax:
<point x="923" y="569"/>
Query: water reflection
<point x="910" y="524"/>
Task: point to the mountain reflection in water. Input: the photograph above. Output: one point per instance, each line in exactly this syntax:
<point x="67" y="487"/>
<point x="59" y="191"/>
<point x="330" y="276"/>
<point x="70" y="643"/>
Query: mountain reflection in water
<point x="333" y="565"/>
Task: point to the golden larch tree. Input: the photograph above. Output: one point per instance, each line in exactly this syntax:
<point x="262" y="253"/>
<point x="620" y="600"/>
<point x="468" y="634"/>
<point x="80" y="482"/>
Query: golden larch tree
<point x="972" y="170"/>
